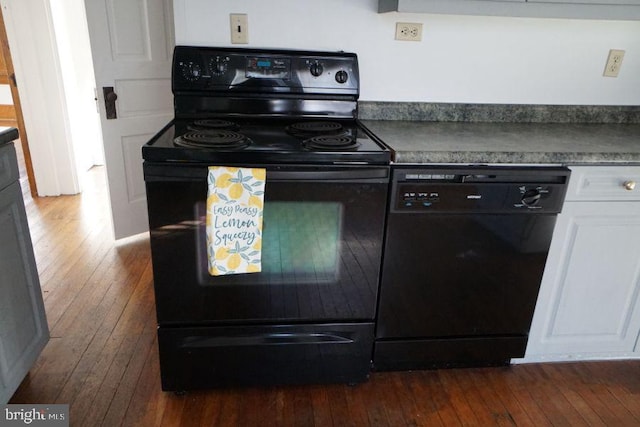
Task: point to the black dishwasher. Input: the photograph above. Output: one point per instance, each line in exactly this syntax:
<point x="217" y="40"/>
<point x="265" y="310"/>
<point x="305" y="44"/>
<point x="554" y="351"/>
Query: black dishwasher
<point x="465" y="249"/>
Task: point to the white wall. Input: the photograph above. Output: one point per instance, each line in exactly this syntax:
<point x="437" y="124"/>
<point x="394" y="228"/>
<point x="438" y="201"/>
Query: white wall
<point x="35" y="60"/>
<point x="5" y="95"/>
<point x="55" y="77"/>
<point x="460" y="59"/>
<point x="72" y="41"/>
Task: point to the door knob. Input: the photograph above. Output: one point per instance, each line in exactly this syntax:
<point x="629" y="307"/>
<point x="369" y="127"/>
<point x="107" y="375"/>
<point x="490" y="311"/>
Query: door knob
<point x="110" y="102"/>
<point x="629" y="185"/>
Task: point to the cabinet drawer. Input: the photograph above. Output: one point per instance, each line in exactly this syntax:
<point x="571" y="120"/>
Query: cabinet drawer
<point x="594" y="183"/>
<point x="8" y="165"/>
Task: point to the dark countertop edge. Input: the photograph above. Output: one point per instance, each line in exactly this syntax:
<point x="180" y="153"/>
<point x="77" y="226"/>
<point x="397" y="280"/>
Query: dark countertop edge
<point x="530" y="158"/>
<point x="8" y="135"/>
<point x="497" y="113"/>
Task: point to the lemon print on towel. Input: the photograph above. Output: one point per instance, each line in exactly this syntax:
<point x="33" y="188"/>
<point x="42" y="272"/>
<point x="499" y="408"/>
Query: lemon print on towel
<point x="235" y="200"/>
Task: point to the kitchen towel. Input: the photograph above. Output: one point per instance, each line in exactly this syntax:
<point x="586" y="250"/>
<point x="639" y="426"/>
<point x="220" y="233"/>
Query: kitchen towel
<point x="235" y="199"/>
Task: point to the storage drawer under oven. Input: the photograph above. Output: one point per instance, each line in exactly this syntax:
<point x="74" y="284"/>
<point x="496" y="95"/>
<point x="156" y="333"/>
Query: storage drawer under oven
<point x="193" y="358"/>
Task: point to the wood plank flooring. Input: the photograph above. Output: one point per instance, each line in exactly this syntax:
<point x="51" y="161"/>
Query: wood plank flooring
<point x="102" y="357"/>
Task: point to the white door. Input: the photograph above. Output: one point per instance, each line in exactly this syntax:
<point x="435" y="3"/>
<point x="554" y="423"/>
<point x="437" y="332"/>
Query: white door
<point x="131" y="43"/>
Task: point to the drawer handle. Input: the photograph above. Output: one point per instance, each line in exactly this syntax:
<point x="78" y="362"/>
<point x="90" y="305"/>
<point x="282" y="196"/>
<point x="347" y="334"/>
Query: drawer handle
<point x="629" y="185"/>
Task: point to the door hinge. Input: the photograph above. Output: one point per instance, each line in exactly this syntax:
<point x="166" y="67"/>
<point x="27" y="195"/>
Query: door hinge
<point x="95" y="99"/>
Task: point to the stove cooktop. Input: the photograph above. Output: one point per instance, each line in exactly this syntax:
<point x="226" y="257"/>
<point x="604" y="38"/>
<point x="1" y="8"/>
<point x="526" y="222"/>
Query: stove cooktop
<point x="266" y="140"/>
<point x="265" y="106"/>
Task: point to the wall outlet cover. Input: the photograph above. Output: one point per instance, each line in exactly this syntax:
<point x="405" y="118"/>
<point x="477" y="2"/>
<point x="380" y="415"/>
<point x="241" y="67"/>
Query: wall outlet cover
<point x="409" y="31"/>
<point x="614" y="62"/>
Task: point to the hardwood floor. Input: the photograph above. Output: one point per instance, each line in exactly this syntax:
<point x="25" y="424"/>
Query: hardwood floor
<point x="102" y="357"/>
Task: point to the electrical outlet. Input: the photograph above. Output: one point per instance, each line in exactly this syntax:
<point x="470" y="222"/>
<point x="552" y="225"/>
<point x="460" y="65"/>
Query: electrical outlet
<point x="239" y="28"/>
<point x="614" y="62"/>
<point x="408" y="31"/>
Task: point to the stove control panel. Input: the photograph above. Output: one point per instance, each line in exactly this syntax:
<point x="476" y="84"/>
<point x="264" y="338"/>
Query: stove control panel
<point x="317" y="69"/>
<point x="207" y="69"/>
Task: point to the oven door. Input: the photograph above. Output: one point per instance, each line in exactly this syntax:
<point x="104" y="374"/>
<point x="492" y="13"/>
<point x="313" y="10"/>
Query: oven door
<point x="322" y="242"/>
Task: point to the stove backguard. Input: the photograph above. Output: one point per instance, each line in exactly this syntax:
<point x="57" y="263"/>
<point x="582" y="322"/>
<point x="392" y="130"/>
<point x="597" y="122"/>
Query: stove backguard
<point x="210" y="82"/>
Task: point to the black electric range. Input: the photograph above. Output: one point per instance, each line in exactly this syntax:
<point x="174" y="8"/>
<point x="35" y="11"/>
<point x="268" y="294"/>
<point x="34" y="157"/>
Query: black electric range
<point x="308" y="316"/>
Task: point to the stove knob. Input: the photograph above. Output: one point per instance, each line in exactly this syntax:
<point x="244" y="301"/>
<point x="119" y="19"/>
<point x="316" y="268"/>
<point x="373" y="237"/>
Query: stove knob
<point x="531" y="197"/>
<point x="316" y="69"/>
<point x="342" y="76"/>
<point x="191" y="71"/>
<point x="218" y="65"/>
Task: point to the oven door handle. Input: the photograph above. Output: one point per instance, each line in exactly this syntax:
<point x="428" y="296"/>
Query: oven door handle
<point x="365" y="174"/>
<point x="304" y="338"/>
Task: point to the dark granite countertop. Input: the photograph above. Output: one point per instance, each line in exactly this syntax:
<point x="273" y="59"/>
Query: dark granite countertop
<point x="421" y="132"/>
<point x="501" y="142"/>
<point x="7" y="135"/>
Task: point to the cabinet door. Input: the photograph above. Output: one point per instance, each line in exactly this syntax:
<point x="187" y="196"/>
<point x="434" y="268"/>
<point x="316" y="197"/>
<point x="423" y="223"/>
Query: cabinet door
<point x="598" y="2"/>
<point x="23" y="326"/>
<point x="588" y="301"/>
<point x="572" y="9"/>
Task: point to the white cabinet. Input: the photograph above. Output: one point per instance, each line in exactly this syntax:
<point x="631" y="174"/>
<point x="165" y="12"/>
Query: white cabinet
<point x="589" y="301"/>
<point x="23" y="326"/>
<point x="599" y="2"/>
<point x="572" y="9"/>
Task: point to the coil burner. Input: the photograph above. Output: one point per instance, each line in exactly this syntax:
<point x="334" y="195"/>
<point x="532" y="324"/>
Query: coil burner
<point x="331" y="142"/>
<point x="212" y="124"/>
<point x="315" y="128"/>
<point x="214" y="139"/>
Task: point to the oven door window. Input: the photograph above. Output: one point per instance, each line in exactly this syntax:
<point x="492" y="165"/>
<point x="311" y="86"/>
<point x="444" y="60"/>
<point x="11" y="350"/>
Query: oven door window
<point x="321" y="251"/>
<point x="300" y="244"/>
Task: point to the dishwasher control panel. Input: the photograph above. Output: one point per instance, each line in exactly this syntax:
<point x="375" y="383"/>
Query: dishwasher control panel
<point x="490" y="189"/>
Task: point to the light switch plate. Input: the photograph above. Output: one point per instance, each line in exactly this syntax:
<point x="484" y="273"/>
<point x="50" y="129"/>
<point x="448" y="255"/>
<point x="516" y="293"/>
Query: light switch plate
<point x="239" y="23"/>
